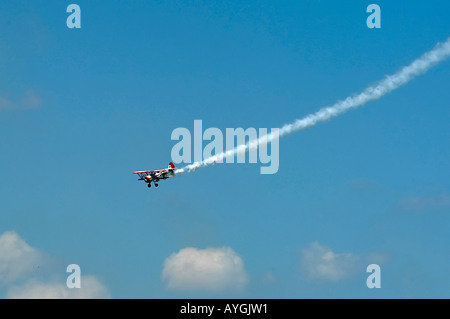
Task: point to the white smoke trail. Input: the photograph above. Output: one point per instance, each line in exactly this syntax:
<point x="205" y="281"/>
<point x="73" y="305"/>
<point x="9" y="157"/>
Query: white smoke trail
<point x="439" y="53"/>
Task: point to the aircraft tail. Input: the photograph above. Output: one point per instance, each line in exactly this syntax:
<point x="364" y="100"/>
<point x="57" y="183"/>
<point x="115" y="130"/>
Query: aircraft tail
<point x="171" y="165"/>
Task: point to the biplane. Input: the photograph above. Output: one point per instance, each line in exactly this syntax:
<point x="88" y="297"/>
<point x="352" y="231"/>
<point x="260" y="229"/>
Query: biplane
<point x="156" y="175"/>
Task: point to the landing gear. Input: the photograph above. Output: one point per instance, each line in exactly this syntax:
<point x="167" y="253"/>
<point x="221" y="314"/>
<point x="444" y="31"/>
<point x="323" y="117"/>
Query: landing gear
<point x="156" y="185"/>
<point x="149" y="185"/>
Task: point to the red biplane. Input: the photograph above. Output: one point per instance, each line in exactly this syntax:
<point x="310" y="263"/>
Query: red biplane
<point x="156" y="175"/>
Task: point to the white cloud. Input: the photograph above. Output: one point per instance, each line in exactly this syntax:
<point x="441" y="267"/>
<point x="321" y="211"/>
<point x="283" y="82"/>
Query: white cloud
<point x="210" y="269"/>
<point x="91" y="288"/>
<point x="17" y="258"/>
<point x="321" y="263"/>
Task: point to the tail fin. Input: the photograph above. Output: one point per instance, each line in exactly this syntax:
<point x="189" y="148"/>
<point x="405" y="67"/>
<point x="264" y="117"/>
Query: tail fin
<point x="171" y="166"/>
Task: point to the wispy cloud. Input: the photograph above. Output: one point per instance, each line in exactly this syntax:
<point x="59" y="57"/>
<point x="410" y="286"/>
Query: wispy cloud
<point x="418" y="203"/>
<point x="5" y="103"/>
<point x="269" y="278"/>
<point x="30" y="100"/>
<point x="210" y="269"/>
<point x="320" y="263"/>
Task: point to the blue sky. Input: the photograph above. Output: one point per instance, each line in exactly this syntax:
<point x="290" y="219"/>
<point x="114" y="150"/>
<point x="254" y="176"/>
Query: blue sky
<point x="81" y="109"/>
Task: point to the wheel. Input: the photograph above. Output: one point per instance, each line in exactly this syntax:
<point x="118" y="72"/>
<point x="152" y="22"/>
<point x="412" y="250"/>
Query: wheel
<point x="149" y="185"/>
<point x="156" y="185"/>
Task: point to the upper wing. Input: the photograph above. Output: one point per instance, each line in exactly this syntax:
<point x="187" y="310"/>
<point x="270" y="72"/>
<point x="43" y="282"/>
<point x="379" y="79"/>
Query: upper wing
<point x="143" y="172"/>
<point x="159" y="173"/>
<point x="154" y="171"/>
